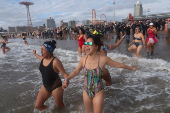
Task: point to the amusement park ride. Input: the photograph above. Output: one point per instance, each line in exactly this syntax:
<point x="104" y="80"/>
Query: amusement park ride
<point x="27" y="4"/>
<point x="94" y="21"/>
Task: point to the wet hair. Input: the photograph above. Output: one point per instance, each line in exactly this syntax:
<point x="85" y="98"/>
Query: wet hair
<point x="83" y="31"/>
<point x="96" y="40"/>
<point x="3" y="36"/>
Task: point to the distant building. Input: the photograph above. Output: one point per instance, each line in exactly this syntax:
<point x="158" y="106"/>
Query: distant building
<point x="50" y="23"/>
<point x="72" y="23"/>
<point x="138" y="14"/>
<point x="138" y="9"/>
<point x="20" y="29"/>
<point x="11" y="29"/>
<point x="86" y="22"/>
<point x="42" y="28"/>
<point x="63" y="23"/>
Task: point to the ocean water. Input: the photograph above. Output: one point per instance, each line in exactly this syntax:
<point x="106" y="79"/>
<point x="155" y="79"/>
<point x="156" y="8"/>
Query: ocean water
<point x="146" y="90"/>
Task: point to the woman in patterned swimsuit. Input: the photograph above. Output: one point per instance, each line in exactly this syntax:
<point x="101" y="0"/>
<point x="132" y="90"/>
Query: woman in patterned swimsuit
<point x="93" y="64"/>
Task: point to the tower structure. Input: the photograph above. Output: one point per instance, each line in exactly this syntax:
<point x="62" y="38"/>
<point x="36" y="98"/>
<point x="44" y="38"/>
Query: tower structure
<point x="28" y="14"/>
<point x="114" y="10"/>
<point x="93" y="16"/>
<point x="138" y="9"/>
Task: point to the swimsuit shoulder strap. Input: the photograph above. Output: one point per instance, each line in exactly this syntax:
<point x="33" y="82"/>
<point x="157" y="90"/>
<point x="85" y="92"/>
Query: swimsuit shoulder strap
<point x="42" y="61"/>
<point x="52" y="61"/>
<point x="99" y="61"/>
<point x="85" y="61"/>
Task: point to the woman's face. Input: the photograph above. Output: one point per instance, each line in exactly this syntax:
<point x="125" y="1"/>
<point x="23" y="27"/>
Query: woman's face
<point x="80" y="32"/>
<point x="150" y="26"/>
<point x="90" y="47"/>
<point x="44" y="52"/>
<point x="136" y="30"/>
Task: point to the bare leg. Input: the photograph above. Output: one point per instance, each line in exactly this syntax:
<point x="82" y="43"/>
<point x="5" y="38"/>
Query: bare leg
<point x="8" y="49"/>
<point x="148" y="46"/>
<point x="87" y="102"/>
<point x="79" y="51"/>
<point x="98" y="101"/>
<point x="3" y="50"/>
<point x="58" y="96"/>
<point x="43" y="95"/>
<point x="132" y="48"/>
<point x="107" y="77"/>
<point x="83" y="50"/>
<point x="152" y="47"/>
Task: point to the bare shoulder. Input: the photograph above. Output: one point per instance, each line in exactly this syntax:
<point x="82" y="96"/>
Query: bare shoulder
<point x="56" y="60"/>
<point x="83" y="58"/>
<point x="141" y="34"/>
<point x="103" y="57"/>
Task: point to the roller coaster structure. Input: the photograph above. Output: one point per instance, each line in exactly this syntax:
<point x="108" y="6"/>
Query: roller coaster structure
<point x="94" y="21"/>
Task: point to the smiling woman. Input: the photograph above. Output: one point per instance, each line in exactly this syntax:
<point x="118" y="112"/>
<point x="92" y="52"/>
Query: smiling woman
<point x="93" y="64"/>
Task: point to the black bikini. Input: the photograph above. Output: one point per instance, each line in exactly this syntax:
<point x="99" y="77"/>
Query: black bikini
<point x="51" y="79"/>
<point x="135" y="38"/>
<point x="137" y="43"/>
<point x="3" y="45"/>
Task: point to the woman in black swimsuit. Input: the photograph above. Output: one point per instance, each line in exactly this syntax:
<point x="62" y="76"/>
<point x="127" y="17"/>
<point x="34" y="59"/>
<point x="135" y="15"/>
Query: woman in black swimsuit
<point x="3" y="44"/>
<point x="138" y="43"/>
<point x="24" y="38"/>
<point x="49" y="67"/>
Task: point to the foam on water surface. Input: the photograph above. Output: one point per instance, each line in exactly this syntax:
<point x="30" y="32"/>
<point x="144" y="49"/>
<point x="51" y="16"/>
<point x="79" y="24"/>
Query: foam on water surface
<point x="131" y="90"/>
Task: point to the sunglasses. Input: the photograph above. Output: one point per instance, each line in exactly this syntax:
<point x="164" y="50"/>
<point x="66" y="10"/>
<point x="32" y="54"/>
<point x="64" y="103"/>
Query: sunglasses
<point x="89" y="43"/>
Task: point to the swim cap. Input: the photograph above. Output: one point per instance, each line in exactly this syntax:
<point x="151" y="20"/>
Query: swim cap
<point x="50" y="46"/>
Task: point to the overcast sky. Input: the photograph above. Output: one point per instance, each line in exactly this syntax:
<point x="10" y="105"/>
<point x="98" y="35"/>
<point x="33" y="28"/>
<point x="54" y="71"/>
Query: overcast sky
<point x="13" y="14"/>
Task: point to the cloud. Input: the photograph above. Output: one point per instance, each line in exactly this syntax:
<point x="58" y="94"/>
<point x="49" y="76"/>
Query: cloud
<point x="14" y="14"/>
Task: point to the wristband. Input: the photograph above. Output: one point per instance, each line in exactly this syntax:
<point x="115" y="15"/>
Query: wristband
<point x="66" y="79"/>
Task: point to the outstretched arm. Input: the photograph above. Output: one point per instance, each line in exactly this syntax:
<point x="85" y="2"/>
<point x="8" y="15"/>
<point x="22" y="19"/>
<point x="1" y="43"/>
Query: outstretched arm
<point x="85" y="38"/>
<point x="38" y="56"/>
<point x="112" y="63"/>
<point x="73" y="35"/>
<point x="7" y="42"/>
<point x="118" y="43"/>
<point x="73" y="74"/>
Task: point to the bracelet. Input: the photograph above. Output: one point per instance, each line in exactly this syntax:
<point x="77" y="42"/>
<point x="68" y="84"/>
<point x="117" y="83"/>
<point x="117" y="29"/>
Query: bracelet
<point x="66" y="79"/>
